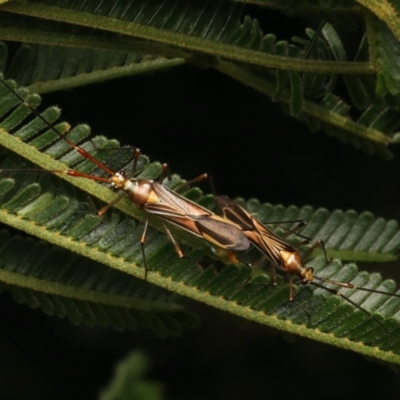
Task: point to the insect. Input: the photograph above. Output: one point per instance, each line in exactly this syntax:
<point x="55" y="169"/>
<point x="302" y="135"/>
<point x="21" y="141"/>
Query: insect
<point x="224" y="237"/>
<point x="286" y="258"/>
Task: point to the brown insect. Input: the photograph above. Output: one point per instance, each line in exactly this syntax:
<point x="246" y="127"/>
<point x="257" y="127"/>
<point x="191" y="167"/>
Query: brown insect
<point x="285" y="257"/>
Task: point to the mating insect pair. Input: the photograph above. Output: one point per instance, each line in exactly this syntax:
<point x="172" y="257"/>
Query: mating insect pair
<point x="229" y="234"/>
<point x="149" y="195"/>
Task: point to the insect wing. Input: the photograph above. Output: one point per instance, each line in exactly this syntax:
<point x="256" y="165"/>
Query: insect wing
<point x="170" y="204"/>
<point x="263" y="238"/>
<point x="232" y="211"/>
<point x="223" y="234"/>
<point x="196" y="219"/>
<point x="270" y="244"/>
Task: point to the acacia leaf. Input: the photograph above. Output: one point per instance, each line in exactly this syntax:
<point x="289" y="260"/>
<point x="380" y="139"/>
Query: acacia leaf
<point x="53" y="208"/>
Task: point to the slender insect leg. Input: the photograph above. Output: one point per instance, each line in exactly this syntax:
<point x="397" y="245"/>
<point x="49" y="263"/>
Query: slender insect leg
<point x="291" y="293"/>
<point x="198" y="179"/>
<point x="293" y="301"/>
<point x="178" y="250"/>
<point x="64" y="137"/>
<point x="92" y="205"/>
<point x="142" y="242"/>
<point x="300" y="224"/>
<point x="135" y="151"/>
<point x="165" y="173"/>
<point x="308" y="315"/>
<point x="273" y="272"/>
<point x="314" y="246"/>
<point x="337" y="293"/>
<point x="112" y="203"/>
<point x="249" y="264"/>
<point x="261" y="260"/>
<point x="136" y="154"/>
<point x="212" y="186"/>
<point x="224" y="254"/>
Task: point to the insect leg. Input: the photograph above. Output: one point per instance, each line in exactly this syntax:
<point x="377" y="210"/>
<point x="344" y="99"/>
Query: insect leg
<point x="178" y="250"/>
<point x="142" y="242"/>
<point x="198" y="179"/>
<point x="337" y="293"/>
<point x="314" y="246"/>
<point x="112" y="203"/>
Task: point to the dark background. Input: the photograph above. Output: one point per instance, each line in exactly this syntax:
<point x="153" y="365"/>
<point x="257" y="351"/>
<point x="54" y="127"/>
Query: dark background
<point x="199" y="120"/>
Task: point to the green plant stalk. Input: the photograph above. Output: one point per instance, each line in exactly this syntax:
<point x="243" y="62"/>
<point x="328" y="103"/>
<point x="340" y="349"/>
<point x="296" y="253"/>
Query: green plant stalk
<point x="104" y="75"/>
<point x="87" y="42"/>
<point x="384" y="11"/>
<point x="59" y="289"/>
<point x="186" y="42"/>
<point x="310" y="108"/>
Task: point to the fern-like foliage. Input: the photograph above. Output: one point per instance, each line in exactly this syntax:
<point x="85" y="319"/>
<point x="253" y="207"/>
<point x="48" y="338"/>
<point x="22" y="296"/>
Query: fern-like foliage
<point x="72" y="67"/>
<point x="301" y="74"/>
<point x="53" y="208"/>
<point x="65" y="285"/>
